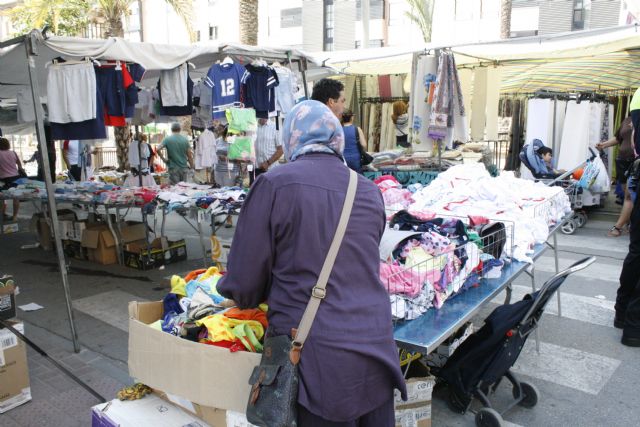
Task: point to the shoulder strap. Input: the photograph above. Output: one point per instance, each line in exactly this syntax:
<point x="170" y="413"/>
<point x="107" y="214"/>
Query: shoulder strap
<point x="319" y="291"/>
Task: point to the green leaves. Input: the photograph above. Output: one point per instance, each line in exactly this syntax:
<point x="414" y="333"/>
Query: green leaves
<point x="421" y="14"/>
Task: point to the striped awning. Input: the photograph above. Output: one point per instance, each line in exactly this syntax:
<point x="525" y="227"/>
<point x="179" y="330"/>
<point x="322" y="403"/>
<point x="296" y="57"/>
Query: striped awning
<point x="606" y="72"/>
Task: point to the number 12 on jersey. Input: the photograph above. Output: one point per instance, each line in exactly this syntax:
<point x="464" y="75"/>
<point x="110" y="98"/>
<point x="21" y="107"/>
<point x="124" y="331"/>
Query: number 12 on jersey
<point x="227" y="87"/>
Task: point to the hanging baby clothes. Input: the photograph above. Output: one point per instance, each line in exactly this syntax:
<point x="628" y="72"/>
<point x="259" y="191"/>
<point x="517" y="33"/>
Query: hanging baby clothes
<point x="173" y="86"/>
<point x="132" y="97"/>
<point x="225" y="81"/>
<point x="448" y="106"/>
<point x="139" y="154"/>
<point x="206" y="150"/>
<point x="285" y="92"/>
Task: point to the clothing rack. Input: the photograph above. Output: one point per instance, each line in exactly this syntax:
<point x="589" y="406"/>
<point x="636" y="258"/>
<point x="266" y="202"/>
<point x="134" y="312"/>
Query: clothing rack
<point x="378" y="99"/>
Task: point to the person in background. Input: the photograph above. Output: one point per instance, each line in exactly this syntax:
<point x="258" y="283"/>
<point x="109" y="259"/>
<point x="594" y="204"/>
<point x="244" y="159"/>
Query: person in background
<point x="331" y="93"/>
<point x="71" y="156"/>
<point x="627" y="306"/>
<point x="352" y="136"/>
<point x="626" y="154"/>
<point x="51" y="151"/>
<point x="10" y="171"/>
<point x="226" y="172"/>
<point x="400" y="119"/>
<point x="268" y="147"/>
<point x="179" y="158"/>
<point x="286" y="226"/>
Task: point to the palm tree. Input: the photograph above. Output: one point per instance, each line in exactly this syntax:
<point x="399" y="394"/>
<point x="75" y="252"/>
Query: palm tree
<point x="249" y="22"/>
<point x="505" y="19"/>
<point x="421" y="14"/>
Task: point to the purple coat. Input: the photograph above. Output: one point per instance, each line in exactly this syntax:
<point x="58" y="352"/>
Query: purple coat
<point x="349" y="364"/>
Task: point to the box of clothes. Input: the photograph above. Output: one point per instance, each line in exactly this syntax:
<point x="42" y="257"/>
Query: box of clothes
<point x="194" y="353"/>
<point x="161" y="251"/>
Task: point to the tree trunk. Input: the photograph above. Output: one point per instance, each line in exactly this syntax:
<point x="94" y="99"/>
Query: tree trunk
<point x="505" y="19"/>
<point x="249" y="22"/>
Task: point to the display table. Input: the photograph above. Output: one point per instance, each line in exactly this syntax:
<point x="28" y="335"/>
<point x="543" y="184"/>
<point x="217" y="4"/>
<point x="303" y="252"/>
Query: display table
<point x="405" y="178"/>
<point x="428" y="331"/>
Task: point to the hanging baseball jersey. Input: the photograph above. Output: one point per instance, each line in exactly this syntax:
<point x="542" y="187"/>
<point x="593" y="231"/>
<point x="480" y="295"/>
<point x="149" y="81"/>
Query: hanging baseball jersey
<point x="259" y="90"/>
<point x="226" y="81"/>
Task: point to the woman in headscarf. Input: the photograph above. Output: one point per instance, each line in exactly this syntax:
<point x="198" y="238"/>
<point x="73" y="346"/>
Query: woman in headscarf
<point x="349" y="364"/>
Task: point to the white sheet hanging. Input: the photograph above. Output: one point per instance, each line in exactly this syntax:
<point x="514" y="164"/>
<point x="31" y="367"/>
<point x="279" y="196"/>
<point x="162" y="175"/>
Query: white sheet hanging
<point x="575" y="135"/>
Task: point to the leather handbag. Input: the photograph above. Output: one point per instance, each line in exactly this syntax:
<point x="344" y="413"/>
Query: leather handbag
<point x="274" y="382"/>
<point x="365" y="158"/>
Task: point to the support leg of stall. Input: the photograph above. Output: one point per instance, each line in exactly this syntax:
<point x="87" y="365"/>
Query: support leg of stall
<point x="31" y="50"/>
<point x="532" y="274"/>
<point x="205" y="261"/>
<point x="555" y="256"/>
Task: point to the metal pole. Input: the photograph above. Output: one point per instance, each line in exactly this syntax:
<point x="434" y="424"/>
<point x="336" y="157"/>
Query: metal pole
<point x="31" y="51"/>
<point x="555" y="256"/>
<point x="303" y="68"/>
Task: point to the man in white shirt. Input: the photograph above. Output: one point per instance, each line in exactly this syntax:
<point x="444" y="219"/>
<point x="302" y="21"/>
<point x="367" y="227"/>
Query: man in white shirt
<point x="268" y="147"/>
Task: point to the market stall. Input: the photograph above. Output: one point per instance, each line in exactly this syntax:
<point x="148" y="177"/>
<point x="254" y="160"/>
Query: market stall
<point x="32" y="67"/>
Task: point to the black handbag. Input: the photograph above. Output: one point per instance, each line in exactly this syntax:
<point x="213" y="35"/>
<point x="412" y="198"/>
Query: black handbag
<point x="273" y="400"/>
<point x="365" y="158"/>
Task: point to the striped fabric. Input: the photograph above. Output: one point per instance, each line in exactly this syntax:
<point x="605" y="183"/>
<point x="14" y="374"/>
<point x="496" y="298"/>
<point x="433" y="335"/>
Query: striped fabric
<point x="267" y="141"/>
<point x="612" y="71"/>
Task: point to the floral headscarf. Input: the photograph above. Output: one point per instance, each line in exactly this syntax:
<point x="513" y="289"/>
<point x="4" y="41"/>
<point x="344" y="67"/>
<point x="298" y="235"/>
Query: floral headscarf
<point x="311" y="127"/>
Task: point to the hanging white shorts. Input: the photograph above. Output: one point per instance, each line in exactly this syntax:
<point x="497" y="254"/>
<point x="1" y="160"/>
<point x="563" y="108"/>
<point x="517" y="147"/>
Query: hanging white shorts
<point x="71" y="93"/>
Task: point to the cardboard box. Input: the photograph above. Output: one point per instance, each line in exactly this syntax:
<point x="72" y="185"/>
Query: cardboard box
<point x="41" y="226"/>
<point x="213" y="416"/>
<point x="150" y="411"/>
<point x="11" y="227"/>
<point x="7" y="298"/>
<point x="14" y="371"/>
<point x="213" y="376"/>
<point x="159" y="252"/>
<point x="416" y="411"/>
<point x="100" y="244"/>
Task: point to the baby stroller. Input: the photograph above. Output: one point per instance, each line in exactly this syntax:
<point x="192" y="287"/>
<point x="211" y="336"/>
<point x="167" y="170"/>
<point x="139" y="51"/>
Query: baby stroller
<point x="478" y="366"/>
<point x="532" y="161"/>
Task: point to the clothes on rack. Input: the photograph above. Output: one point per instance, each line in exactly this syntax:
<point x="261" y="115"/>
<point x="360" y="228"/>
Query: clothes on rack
<point x="286" y="90"/>
<point x="173" y="83"/>
<point x="177" y="111"/>
<point x="71" y="93"/>
<point x="206" y="156"/>
<point x="225" y="81"/>
<point x="421" y="95"/>
<point x="259" y="89"/>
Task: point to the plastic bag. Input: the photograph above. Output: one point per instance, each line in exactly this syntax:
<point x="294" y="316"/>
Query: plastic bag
<point x="241" y="149"/>
<point x="602" y="183"/>
<point x="589" y="174"/>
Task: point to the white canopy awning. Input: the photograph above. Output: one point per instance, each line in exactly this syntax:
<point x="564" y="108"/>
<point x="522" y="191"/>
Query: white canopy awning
<point x="153" y="57"/>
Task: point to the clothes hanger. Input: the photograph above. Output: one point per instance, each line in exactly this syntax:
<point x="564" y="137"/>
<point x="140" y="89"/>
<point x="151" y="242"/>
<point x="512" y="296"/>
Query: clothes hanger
<point x="227" y="60"/>
<point x="62" y="61"/>
<point x="276" y="64"/>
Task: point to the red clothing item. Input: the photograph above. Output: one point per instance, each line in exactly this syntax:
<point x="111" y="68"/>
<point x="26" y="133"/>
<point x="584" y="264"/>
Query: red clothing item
<point x="248" y="314"/>
<point x="119" y="121"/>
<point x="384" y="83"/>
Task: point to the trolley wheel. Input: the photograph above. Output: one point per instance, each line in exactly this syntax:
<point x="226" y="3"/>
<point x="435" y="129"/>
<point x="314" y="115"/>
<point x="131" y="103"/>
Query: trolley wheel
<point x="580" y="219"/>
<point x="489" y="417"/>
<point x="569" y="227"/>
<point x="530" y="395"/>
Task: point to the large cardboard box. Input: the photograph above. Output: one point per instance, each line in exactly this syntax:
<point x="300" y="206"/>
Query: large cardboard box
<point x="100" y="244"/>
<point x="14" y="372"/>
<point x="161" y="251"/>
<point x="41" y="226"/>
<point x="203" y="374"/>
<point x="416" y="411"/>
<point x="150" y="411"/>
<point x="7" y="298"/>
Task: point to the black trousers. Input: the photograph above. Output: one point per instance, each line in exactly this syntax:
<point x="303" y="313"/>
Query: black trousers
<point x="628" y="298"/>
<point x="76" y="172"/>
<point x="382" y="416"/>
<point x="255" y="174"/>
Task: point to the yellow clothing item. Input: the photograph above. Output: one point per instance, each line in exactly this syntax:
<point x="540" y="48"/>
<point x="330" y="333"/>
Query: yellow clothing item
<point x="427" y="262"/>
<point x="264" y="307"/>
<point x="178" y="286"/>
<point x="220" y="327"/>
<point x="635" y="101"/>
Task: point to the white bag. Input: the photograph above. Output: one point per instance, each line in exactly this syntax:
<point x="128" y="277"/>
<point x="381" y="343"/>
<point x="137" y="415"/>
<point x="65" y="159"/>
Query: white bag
<point x="602" y="182"/>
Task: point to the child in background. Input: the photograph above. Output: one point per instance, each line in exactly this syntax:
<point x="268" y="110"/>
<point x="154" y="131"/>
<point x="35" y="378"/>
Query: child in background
<point x="547" y="156"/>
